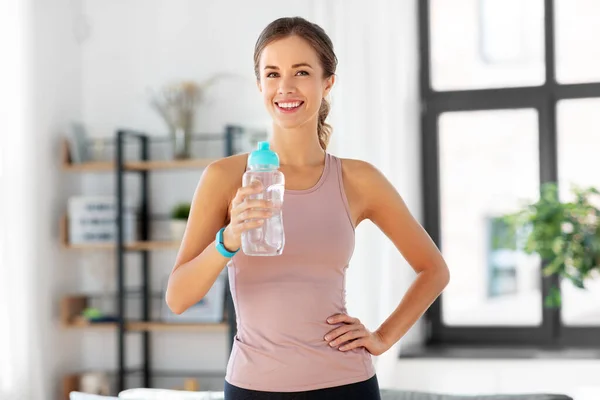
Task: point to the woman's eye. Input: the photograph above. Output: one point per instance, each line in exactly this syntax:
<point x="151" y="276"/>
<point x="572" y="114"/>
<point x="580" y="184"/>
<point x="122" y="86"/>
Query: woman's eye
<point x="275" y="74"/>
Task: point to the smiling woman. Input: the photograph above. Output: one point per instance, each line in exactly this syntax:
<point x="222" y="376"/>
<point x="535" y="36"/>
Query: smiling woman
<point x="294" y="336"/>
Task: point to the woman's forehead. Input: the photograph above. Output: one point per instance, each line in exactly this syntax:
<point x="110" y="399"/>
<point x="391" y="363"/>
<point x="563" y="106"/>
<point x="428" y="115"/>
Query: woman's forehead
<point x="288" y="52"/>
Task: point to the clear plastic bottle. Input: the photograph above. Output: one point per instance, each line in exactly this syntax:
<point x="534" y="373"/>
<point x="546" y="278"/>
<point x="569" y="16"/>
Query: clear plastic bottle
<point x="269" y="238"/>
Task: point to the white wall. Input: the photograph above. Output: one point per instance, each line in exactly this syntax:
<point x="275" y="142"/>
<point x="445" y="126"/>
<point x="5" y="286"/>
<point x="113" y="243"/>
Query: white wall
<point x="56" y="86"/>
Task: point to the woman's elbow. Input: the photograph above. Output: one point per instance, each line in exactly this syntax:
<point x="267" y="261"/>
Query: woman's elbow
<point x="174" y="303"/>
<point x="443" y="272"/>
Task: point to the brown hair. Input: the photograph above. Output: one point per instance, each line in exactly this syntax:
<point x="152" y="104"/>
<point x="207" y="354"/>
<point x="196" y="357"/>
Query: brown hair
<point x="318" y="39"/>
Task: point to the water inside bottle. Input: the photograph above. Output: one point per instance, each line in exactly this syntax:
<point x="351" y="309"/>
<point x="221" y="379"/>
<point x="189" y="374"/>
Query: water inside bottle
<point x="267" y="239"/>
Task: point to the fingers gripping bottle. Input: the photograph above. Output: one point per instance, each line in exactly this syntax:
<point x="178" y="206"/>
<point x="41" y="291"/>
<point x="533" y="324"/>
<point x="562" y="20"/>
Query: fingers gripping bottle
<point x="268" y="239"/>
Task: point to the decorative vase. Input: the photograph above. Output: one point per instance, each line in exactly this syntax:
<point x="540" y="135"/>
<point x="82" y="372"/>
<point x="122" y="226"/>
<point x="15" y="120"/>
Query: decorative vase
<point x="181" y="143"/>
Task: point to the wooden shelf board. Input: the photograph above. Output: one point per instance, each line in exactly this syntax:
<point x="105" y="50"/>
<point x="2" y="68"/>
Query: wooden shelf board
<point x="170" y="326"/>
<point x="93" y="166"/>
<point x="168" y="164"/>
<point x="82" y="324"/>
<point x="152" y="326"/>
<point x="166" y="245"/>
<point x="158" y="245"/>
<point x="107" y="166"/>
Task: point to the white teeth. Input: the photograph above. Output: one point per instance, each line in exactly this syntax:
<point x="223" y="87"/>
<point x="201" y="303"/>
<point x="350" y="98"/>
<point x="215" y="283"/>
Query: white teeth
<point x="290" y="105"/>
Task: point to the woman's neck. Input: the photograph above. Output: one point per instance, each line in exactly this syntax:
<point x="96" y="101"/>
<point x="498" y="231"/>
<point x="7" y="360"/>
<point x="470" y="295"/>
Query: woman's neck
<point x="297" y="147"/>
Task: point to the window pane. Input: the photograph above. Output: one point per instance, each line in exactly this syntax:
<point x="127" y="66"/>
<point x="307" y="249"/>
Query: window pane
<point x="578" y="144"/>
<point x="488" y="167"/>
<point x="486" y="43"/>
<point x="577" y="49"/>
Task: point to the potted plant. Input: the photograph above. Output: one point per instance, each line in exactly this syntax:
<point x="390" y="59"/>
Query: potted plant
<point x="179" y="216"/>
<point x="565" y="234"/>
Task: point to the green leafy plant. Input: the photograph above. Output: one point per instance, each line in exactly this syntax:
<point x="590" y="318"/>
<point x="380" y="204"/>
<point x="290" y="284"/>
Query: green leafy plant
<point x="565" y="234"/>
<point x="181" y="211"/>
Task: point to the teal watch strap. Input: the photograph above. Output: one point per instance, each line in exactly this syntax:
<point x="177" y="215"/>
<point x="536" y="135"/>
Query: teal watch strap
<point x="221" y="247"/>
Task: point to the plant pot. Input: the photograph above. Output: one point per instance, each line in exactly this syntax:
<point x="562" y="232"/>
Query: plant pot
<point x="178" y="229"/>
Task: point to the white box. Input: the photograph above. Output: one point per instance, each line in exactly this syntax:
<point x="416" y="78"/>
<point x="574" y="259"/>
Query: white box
<point x="92" y="219"/>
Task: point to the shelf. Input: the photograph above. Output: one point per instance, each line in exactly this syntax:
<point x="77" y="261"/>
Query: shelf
<point x="178" y="327"/>
<point x="132" y="246"/>
<point x="108" y="166"/>
<point x="83" y="324"/>
<point x="169" y="164"/>
<point x="72" y="307"/>
<point x="92" y="166"/>
<point x="182" y="374"/>
<point x="153" y="326"/>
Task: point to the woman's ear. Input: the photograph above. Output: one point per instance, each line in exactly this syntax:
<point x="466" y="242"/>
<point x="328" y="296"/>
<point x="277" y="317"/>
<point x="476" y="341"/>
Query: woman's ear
<point x="258" y="85"/>
<point x="329" y="82"/>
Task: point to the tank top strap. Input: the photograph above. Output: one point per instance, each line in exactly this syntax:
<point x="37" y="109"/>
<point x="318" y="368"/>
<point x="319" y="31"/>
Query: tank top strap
<point x="336" y="180"/>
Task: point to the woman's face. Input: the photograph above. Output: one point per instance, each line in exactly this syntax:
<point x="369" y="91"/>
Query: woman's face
<point x="291" y="81"/>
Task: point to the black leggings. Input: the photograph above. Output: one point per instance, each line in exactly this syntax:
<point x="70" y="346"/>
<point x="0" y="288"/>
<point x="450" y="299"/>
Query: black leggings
<point x="365" y="390"/>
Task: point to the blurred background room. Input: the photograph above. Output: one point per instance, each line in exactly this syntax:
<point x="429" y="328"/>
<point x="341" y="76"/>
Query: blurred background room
<point x="109" y="111"/>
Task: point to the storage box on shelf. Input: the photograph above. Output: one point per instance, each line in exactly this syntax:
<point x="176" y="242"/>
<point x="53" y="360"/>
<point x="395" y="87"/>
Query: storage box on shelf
<point x="132" y="246"/>
<point x="93" y="220"/>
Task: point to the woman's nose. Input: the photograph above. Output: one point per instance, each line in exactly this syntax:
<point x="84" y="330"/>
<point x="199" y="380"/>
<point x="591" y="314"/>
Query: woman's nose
<point x="286" y="85"/>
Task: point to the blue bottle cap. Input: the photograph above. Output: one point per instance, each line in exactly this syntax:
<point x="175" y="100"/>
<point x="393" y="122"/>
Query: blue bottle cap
<point x="263" y="155"/>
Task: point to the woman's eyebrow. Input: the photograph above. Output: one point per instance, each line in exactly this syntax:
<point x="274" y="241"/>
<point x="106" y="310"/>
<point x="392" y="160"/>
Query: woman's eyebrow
<point x="303" y="64"/>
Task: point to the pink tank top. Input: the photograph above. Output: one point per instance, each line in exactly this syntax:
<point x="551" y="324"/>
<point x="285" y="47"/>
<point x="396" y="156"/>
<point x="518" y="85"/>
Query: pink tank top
<point x="282" y="302"/>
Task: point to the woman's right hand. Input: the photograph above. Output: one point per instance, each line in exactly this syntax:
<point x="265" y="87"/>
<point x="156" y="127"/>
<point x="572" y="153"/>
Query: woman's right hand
<point x="245" y="214"/>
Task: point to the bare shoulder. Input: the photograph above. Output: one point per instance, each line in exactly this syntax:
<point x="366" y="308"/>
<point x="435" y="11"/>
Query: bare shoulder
<point x="226" y="171"/>
<point x="355" y="165"/>
<point x="360" y="173"/>
<point x="224" y="176"/>
<point x="364" y="184"/>
<point x="226" y="165"/>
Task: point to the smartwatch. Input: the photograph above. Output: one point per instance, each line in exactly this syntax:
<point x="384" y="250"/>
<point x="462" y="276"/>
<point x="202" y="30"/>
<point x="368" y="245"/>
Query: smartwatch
<point x="221" y="247"/>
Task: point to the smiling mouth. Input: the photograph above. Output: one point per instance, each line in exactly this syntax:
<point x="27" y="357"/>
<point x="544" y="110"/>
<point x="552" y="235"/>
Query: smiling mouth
<point x="289" y="106"/>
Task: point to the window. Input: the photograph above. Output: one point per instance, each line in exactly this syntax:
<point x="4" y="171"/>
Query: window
<point x="486" y="167"/>
<point x="511" y="93"/>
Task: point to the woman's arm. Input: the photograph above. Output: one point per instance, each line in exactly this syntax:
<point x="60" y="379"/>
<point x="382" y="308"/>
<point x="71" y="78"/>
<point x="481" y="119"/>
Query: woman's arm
<point x="377" y="200"/>
<point x="198" y="263"/>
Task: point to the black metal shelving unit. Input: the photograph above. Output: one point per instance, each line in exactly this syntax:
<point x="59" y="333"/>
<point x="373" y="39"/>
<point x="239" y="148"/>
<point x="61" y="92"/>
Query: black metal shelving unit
<point x="146" y="370"/>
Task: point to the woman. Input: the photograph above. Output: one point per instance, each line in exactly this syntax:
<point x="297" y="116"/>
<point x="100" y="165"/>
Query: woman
<point x="295" y="339"/>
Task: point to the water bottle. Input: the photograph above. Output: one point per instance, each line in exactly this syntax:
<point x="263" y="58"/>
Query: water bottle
<point x="268" y="239"/>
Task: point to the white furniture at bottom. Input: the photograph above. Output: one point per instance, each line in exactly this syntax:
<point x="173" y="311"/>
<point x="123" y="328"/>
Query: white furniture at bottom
<point x="151" y="394"/>
<point x="166" y="394"/>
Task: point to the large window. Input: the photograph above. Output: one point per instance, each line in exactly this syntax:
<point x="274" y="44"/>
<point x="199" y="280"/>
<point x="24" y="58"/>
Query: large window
<point x="511" y="99"/>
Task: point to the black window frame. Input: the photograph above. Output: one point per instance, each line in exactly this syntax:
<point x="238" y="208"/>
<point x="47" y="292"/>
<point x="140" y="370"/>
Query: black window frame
<point x="544" y="99"/>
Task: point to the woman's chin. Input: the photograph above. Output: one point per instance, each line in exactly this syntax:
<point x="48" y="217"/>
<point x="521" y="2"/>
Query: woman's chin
<point x="289" y="125"/>
<point x="293" y="123"/>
